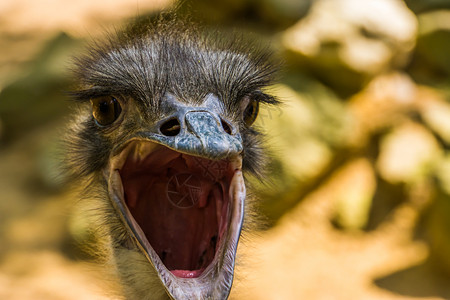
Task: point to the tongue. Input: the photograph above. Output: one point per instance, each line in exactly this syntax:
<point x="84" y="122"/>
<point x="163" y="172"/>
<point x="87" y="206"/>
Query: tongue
<point x="187" y="274"/>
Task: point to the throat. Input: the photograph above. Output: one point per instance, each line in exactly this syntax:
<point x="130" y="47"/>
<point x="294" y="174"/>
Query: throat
<point x="181" y="229"/>
<point x="181" y="209"/>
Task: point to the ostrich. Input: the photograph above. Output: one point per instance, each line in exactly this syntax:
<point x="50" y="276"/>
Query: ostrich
<point x="161" y="142"/>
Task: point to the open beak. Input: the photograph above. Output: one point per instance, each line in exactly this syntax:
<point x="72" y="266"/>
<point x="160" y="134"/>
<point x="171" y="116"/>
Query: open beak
<point x="180" y="192"/>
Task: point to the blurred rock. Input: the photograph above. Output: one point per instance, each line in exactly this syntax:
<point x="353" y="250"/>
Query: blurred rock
<point x="443" y="173"/>
<point x="407" y="154"/>
<point x="27" y="26"/>
<point x="435" y="111"/>
<point x="221" y="12"/>
<point x="344" y="42"/>
<point x="419" y="6"/>
<point x="291" y="128"/>
<point x="304" y="129"/>
<point x="37" y="97"/>
<point x="437" y="226"/>
<point x="1" y="131"/>
<point x="355" y="187"/>
<point x="81" y="17"/>
<point x="304" y="133"/>
<point x="266" y="15"/>
<point x="50" y="172"/>
<point x="286" y="12"/>
<point x="394" y="98"/>
<point x="431" y="60"/>
<point x="385" y="101"/>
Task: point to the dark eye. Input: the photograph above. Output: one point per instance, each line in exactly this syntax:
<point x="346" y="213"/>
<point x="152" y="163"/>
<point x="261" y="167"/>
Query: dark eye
<point x="251" y="112"/>
<point x="105" y="109"/>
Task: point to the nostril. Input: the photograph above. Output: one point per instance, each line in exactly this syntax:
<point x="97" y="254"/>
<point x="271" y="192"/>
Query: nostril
<point x="170" y="128"/>
<point x="225" y="126"/>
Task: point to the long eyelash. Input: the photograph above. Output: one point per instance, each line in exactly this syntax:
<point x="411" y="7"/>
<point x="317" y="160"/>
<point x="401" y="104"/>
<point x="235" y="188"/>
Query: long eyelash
<point x="86" y="95"/>
<point x="264" y="98"/>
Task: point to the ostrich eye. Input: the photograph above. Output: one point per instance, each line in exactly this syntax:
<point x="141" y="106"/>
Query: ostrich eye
<point x="251" y="112"/>
<point x="105" y="109"/>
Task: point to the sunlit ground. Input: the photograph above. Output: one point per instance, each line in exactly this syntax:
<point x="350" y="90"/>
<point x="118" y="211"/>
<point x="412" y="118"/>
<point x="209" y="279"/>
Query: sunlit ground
<point x="359" y="198"/>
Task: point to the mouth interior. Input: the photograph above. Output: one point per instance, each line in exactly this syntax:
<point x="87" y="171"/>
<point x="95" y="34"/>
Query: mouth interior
<point x="181" y="203"/>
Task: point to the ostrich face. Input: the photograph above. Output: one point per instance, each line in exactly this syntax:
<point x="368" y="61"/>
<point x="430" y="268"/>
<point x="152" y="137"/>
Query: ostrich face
<point x="166" y="133"/>
<point x="178" y="187"/>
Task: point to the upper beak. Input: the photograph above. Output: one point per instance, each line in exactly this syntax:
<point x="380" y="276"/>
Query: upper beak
<point x="200" y="133"/>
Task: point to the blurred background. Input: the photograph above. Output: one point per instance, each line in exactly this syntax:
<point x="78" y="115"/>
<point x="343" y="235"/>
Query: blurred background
<point x="358" y="206"/>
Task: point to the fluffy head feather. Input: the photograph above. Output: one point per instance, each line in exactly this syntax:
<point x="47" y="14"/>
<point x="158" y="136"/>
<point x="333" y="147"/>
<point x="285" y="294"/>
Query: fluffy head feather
<point x="147" y="61"/>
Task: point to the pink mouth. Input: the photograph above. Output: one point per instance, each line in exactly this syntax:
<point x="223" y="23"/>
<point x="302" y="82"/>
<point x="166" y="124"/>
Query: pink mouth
<point x="181" y="202"/>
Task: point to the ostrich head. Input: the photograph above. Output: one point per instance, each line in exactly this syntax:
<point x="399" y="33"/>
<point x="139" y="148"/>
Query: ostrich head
<point x="163" y="137"/>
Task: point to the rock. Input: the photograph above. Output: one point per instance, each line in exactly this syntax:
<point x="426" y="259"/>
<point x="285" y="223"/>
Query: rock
<point x="266" y="15"/>
<point x="284" y="12"/>
<point x="341" y="38"/>
<point x="290" y="127"/>
<point x="355" y="188"/>
<point x="37" y="97"/>
<point x="435" y="111"/>
<point x="443" y="174"/>
<point x="433" y="46"/>
<point x="304" y="129"/>
<point x="437" y="226"/>
<point x="305" y="132"/>
<point x="383" y="103"/>
<point x="407" y="154"/>
<point x="419" y="6"/>
<point x="1" y="130"/>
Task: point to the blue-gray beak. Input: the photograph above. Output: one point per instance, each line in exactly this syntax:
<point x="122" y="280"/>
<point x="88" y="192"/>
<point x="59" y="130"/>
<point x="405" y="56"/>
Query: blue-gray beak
<point x="199" y="131"/>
